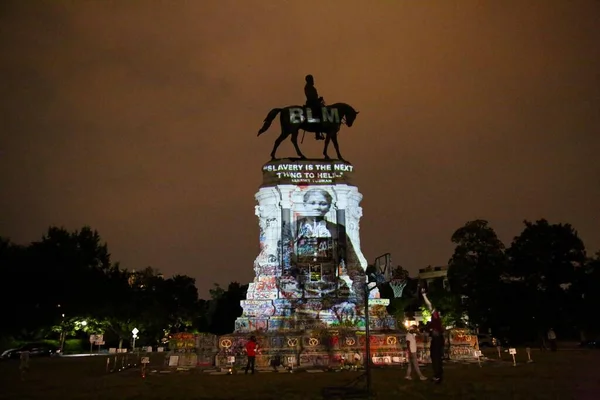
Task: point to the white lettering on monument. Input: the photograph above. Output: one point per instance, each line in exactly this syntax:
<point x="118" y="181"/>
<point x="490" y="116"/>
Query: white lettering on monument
<point x="309" y="117"/>
<point x="303" y="172"/>
<point x="296" y="115"/>
<point x="329" y="115"/>
<point x="283" y="167"/>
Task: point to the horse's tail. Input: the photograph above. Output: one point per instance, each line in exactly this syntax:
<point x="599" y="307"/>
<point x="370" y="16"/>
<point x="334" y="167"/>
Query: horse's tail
<point x="270" y="117"/>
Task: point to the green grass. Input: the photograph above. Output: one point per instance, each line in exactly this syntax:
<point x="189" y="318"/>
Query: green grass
<point x="562" y="375"/>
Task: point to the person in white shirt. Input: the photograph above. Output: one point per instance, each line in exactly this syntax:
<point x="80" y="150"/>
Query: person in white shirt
<point x="411" y="344"/>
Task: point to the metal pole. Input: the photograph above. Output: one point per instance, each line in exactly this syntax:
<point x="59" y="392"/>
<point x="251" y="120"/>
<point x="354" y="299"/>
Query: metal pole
<point x="368" y="339"/>
<point x="133" y="349"/>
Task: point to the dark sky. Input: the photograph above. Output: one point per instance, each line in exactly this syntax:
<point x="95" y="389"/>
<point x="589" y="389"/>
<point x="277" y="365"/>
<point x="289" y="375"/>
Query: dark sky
<point x="139" y="118"/>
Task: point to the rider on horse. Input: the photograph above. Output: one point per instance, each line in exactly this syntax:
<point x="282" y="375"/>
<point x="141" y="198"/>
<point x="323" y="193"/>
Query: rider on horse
<point x="313" y="101"/>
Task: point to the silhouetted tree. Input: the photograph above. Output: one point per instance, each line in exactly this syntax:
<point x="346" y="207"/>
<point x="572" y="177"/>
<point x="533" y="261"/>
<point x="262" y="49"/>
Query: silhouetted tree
<point x="475" y="271"/>
<point x="585" y="297"/>
<point x="225" y="308"/>
<point x="543" y="260"/>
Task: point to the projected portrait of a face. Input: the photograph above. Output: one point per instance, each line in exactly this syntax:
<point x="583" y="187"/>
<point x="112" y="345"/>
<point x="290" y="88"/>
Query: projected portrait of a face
<point x="315" y="245"/>
<point x="315" y="236"/>
<point x="323" y="263"/>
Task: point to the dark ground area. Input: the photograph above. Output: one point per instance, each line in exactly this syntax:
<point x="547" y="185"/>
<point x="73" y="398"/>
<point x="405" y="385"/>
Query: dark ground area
<point x="566" y="374"/>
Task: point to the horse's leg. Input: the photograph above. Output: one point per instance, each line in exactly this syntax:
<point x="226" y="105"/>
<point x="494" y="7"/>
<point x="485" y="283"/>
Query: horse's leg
<point x="278" y="141"/>
<point x="326" y="145"/>
<point x="335" y="144"/>
<point x="295" y="142"/>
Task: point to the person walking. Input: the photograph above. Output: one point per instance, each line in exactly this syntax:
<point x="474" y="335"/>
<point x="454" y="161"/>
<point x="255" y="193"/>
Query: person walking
<point x="251" y="348"/>
<point x="411" y="344"/>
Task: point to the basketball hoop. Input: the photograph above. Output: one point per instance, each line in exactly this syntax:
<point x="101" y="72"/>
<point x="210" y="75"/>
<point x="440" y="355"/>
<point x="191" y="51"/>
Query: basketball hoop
<point x="398" y="286"/>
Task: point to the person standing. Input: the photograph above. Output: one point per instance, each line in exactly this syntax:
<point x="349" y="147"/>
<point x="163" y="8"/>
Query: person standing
<point x="251" y="348"/>
<point x="411" y="344"/>
<point x="436" y="348"/>
<point x="313" y="101"/>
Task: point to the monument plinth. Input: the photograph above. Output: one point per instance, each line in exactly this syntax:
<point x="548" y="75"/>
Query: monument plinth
<point x="307" y="297"/>
<point x="310" y="272"/>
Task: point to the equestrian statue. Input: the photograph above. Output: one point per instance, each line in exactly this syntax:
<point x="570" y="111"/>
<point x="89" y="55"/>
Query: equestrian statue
<point x="314" y="117"/>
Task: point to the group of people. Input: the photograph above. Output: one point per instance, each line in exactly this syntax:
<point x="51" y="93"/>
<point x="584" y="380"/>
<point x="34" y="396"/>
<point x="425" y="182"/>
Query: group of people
<point x="436" y="347"/>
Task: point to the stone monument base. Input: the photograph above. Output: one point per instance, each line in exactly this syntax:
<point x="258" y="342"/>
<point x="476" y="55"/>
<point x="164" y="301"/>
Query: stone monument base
<point x="329" y="348"/>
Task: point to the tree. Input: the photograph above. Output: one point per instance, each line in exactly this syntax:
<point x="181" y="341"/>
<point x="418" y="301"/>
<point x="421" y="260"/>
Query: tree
<point x="69" y="278"/>
<point x="181" y="299"/>
<point x="585" y="294"/>
<point x="16" y="315"/>
<point x="544" y="259"/>
<point x="225" y="308"/>
<point x="475" y="270"/>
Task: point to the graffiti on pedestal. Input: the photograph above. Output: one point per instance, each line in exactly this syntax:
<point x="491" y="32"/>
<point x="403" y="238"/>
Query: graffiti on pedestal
<point x="275" y="324"/>
<point x="258" y="324"/>
<point x="266" y="283"/>
<point x="264" y="270"/>
<point x="182" y="341"/>
<point x="257" y="308"/>
<point x="242" y="325"/>
<point x="463" y="344"/>
<point x="314" y="359"/>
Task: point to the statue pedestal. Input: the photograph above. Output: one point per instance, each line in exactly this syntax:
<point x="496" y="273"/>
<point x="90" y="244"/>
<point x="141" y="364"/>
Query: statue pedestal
<point x="306" y="299"/>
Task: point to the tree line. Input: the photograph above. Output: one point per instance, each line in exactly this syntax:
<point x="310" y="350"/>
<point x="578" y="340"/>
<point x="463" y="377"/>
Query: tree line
<point x="66" y="285"/>
<point x="544" y="279"/>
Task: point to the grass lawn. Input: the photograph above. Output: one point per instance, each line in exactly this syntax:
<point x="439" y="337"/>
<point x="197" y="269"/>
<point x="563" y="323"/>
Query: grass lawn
<point x="569" y="374"/>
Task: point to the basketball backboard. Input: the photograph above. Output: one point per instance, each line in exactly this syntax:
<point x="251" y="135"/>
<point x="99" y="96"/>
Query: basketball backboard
<point x="383" y="265"/>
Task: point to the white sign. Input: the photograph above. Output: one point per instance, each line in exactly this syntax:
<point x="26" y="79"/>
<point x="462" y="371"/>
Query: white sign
<point x="230" y="359"/>
<point x="173" y="361"/>
<point x="512" y="351"/>
<point x="379" y="302"/>
<point x="97" y="339"/>
<point x="135" y="331"/>
<point x="478" y="353"/>
<point x="145" y="360"/>
<point x="160" y="349"/>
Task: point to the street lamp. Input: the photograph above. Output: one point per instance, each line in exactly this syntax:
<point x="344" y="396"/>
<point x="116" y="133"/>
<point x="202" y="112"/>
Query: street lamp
<point x="135" y="331"/>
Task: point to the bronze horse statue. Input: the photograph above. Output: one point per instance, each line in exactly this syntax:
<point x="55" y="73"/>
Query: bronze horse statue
<point x="292" y="119"/>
